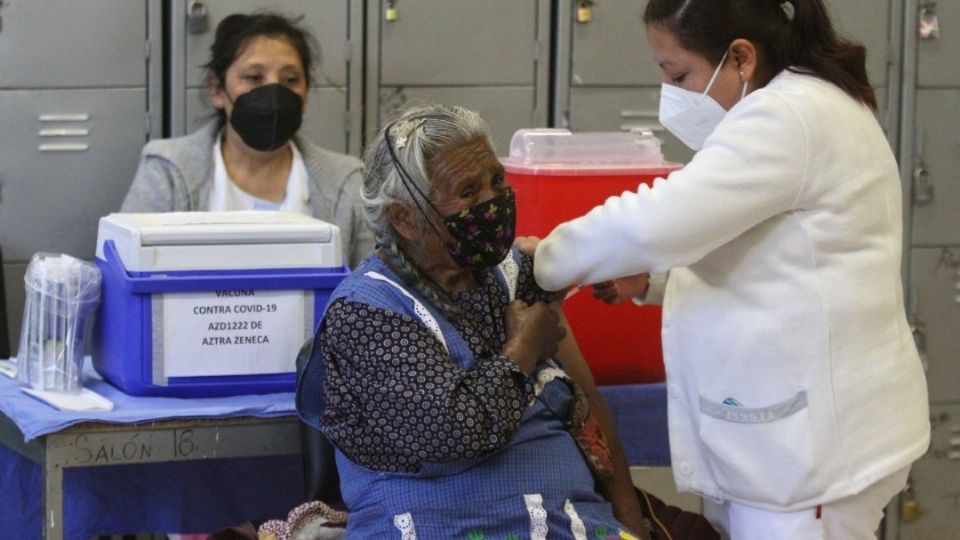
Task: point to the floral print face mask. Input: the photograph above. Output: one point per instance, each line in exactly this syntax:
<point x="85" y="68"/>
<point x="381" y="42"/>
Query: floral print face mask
<point x="483" y="232"/>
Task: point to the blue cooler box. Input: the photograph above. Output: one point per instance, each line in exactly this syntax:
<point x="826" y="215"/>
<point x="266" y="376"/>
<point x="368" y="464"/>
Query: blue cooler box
<point x="203" y="304"/>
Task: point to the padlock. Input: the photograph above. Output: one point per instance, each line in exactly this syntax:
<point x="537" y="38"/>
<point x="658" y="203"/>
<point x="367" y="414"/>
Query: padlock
<point x="198" y="20"/>
<point x="391" y="14"/>
<point x="584" y="12"/>
<point x="928" y="24"/>
<point x="909" y="510"/>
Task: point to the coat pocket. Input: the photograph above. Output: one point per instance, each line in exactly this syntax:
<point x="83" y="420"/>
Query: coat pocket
<point x="764" y="454"/>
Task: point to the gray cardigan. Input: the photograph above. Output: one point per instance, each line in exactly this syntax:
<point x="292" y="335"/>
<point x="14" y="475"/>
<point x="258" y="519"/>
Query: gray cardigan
<point x="176" y="175"/>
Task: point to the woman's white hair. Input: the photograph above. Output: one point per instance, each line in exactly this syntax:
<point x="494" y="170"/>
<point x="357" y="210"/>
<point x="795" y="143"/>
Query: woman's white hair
<point x="416" y="137"/>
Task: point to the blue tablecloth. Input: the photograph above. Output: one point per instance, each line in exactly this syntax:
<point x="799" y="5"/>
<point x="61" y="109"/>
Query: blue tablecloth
<point x="200" y="496"/>
<point x="36" y="418"/>
<point x="188" y="496"/>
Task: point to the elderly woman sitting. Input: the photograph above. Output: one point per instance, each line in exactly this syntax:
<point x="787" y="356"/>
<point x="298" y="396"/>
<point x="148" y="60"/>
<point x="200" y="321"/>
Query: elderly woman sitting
<point x="459" y="406"/>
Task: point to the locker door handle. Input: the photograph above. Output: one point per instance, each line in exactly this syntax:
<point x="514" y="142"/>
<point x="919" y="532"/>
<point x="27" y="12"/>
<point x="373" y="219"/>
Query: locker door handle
<point x="922" y="187"/>
<point x="653" y="129"/>
<point x="638" y="114"/>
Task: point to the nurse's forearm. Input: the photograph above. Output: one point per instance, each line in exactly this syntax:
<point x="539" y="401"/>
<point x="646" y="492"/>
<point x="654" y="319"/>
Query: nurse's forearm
<point x="611" y="241"/>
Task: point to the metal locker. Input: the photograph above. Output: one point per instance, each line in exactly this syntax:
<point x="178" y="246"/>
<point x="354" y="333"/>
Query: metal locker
<point x="79" y="98"/>
<point x="505" y="110"/>
<point x="333" y="116"/>
<point x="57" y="44"/>
<point x="611" y="48"/>
<point x="930" y="507"/>
<point x="936" y="171"/>
<point x="937" y="52"/>
<point x="606" y="78"/>
<point x="869" y="24"/>
<point x="490" y="56"/>
<point x="872" y="25"/>
<point x="457" y="42"/>
<point x="930" y="159"/>
<point x="608" y="57"/>
<point x="614" y="108"/>
<point x="935" y="314"/>
<point x="76" y="145"/>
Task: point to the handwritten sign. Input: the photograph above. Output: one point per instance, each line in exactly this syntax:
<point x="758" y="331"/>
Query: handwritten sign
<point x="232" y="332"/>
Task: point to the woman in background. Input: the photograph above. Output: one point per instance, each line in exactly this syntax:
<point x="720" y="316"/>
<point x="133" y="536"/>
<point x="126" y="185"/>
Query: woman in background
<point x="250" y="157"/>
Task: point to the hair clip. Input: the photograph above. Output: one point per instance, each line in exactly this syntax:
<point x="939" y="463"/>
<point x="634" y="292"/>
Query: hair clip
<point x="788" y="10"/>
<point x="403" y="130"/>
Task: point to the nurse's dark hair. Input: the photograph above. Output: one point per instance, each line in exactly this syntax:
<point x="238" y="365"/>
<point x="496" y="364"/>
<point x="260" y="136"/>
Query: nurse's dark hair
<point x="236" y="31"/>
<point x="796" y="35"/>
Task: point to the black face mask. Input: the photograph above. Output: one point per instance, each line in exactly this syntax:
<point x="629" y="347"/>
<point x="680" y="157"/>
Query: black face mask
<point x="267" y="116"/>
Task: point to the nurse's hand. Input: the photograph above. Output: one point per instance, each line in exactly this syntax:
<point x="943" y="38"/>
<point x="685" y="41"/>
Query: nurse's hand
<point x="625" y="288"/>
<point x="527" y="244"/>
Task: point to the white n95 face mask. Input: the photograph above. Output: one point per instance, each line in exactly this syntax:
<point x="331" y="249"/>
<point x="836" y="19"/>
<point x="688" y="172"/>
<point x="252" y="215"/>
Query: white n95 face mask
<point x="691" y="116"/>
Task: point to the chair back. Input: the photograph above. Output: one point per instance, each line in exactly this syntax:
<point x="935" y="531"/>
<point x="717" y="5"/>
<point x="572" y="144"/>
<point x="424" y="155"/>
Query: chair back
<point x="322" y="481"/>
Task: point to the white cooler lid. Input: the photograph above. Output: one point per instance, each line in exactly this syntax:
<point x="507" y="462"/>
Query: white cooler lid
<point x="205" y="240"/>
<point x="190" y="228"/>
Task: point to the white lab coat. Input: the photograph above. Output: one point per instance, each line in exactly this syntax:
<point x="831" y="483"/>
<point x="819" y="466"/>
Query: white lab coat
<point x="783" y="241"/>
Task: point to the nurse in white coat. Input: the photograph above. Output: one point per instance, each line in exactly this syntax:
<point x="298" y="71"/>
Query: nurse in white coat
<point x="797" y="401"/>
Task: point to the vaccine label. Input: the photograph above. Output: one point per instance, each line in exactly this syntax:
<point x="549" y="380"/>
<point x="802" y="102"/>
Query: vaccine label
<point x="231" y="332"/>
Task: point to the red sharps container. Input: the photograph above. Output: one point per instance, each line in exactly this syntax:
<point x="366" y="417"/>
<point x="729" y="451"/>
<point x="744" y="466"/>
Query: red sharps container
<point x="558" y="176"/>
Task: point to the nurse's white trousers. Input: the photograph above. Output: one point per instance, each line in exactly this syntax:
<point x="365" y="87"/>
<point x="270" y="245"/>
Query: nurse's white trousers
<point x="852" y="518"/>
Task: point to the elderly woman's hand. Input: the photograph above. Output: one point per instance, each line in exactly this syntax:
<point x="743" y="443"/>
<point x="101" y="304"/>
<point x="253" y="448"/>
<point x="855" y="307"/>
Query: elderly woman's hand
<point x="533" y="333"/>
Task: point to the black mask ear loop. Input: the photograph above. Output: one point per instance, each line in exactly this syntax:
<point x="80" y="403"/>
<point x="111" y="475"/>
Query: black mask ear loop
<point x="407" y="182"/>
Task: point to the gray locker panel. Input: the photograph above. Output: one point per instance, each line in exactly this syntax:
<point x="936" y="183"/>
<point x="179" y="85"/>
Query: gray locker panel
<point x="16" y="295"/>
<point x="866" y="22"/>
<point x="938" y="65"/>
<point x="935" y="479"/>
<point x="936" y="311"/>
<point x="611" y="50"/>
<point x="327" y="23"/>
<point x="324" y="123"/>
<point x="458" y="42"/>
<point x="57" y="186"/>
<point x="52" y="43"/>
<point x="887" y="116"/>
<point x="504" y="109"/>
<point x="938" y="153"/>
<point x="616" y="109"/>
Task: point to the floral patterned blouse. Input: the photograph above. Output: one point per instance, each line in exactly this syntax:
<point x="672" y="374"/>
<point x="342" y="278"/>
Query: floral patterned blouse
<point x="394" y="397"/>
